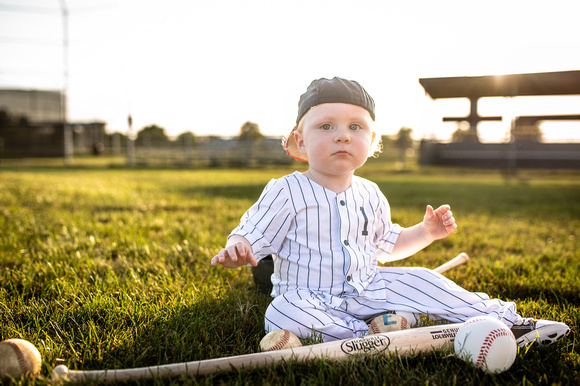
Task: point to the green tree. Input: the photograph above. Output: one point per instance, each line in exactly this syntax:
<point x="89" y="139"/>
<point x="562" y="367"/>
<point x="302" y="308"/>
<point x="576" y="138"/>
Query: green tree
<point x="404" y="142"/>
<point x="186" y="139"/>
<point x="527" y="133"/>
<point x="404" y="139"/>
<point x="461" y="135"/>
<point x="152" y="135"/>
<point x="6" y="119"/>
<point x="250" y="131"/>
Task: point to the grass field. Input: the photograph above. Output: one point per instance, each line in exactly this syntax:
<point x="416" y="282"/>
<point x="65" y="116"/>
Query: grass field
<point x="108" y="267"/>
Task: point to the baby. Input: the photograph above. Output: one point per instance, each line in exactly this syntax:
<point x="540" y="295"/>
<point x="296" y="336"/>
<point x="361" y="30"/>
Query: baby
<point x="327" y="229"/>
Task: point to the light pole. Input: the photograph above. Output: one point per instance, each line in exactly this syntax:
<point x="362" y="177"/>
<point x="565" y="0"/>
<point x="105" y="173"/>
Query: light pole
<point x="67" y="130"/>
<point x="130" y="142"/>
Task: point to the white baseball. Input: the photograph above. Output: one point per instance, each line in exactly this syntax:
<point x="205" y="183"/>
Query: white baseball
<point x="487" y="343"/>
<point x="387" y="323"/>
<point x="18" y="357"/>
<point x="279" y="340"/>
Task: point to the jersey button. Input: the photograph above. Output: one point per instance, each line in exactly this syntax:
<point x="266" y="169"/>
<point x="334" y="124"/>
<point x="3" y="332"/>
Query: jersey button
<point x="346" y="242"/>
<point x="348" y="278"/>
<point x="342" y="203"/>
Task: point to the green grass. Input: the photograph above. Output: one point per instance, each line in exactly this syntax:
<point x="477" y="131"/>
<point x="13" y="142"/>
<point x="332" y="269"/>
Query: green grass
<point x="107" y="267"/>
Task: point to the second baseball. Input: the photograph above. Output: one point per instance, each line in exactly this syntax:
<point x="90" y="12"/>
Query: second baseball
<point x="279" y="340"/>
<point x="18" y="357"/>
<point x="487" y="343"/>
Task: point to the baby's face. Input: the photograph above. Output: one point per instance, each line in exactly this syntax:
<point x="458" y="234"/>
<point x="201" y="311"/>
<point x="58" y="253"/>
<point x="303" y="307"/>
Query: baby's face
<point x="336" y="137"/>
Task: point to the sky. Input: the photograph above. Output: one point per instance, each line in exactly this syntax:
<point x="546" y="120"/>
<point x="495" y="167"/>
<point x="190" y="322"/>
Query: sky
<point x="209" y="66"/>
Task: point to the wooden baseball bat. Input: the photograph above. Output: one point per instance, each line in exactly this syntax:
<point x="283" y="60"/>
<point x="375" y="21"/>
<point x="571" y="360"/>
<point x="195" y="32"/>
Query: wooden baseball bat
<point x="402" y="342"/>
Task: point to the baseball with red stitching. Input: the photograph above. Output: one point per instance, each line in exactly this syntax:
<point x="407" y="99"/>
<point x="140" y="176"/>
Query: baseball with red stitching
<point x="278" y="340"/>
<point x="18" y="357"/>
<point x="486" y="343"/>
<point x="387" y="323"/>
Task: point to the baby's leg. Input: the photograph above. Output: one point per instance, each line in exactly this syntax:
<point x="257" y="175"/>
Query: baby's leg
<point x="304" y="313"/>
<point x="423" y="291"/>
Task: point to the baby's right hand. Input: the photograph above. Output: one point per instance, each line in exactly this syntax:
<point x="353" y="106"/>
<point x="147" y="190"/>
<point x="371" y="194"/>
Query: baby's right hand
<point x="235" y="255"/>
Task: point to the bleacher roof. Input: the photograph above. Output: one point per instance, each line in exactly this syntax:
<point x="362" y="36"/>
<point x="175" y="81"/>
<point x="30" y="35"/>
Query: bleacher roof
<point x="544" y="83"/>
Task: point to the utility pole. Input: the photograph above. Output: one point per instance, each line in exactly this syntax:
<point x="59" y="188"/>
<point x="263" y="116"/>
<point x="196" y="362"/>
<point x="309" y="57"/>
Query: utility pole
<point x="67" y="130"/>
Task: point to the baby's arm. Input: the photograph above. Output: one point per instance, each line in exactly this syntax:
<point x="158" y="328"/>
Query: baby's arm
<point x="437" y="224"/>
<point x="238" y="252"/>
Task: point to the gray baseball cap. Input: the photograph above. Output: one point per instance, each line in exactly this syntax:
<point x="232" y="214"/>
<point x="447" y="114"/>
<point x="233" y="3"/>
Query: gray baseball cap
<point x="335" y="90"/>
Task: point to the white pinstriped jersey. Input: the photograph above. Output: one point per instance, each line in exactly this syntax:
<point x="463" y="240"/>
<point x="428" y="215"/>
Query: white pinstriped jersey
<point x="324" y="241"/>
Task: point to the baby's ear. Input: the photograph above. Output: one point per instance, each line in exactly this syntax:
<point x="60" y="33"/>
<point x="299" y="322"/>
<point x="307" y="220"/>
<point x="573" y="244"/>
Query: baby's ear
<point x="299" y="139"/>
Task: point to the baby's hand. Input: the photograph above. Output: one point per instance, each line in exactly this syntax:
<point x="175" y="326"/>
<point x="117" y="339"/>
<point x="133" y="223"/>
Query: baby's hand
<point x="235" y="255"/>
<point x="439" y="223"/>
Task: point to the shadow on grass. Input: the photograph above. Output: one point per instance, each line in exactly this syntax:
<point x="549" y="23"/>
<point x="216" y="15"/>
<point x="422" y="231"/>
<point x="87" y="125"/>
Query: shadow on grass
<point x="551" y="296"/>
<point x="212" y="326"/>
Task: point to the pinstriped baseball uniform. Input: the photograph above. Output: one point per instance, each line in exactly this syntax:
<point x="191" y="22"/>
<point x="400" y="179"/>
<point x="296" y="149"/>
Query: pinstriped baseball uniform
<point x="326" y="248"/>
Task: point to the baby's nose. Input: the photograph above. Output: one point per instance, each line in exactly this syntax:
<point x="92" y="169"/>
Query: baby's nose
<point x="342" y="135"/>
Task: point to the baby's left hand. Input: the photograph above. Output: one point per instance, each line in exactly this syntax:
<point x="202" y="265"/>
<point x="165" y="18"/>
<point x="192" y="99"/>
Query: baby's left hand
<point x="439" y="223"/>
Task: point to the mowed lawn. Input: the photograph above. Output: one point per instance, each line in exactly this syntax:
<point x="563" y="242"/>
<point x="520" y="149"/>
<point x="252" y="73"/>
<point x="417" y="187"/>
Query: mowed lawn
<point x="109" y="268"/>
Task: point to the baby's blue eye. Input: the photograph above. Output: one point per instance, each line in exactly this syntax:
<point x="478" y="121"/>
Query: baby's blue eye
<point x="326" y="126"/>
<point x="354" y="126"/>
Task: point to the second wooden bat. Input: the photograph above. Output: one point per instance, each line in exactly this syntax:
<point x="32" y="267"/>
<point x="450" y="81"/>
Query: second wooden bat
<point x="460" y="259"/>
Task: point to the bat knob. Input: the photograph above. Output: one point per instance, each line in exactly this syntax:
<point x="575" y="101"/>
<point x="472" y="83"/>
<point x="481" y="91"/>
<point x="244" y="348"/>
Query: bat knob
<point x="59" y="373"/>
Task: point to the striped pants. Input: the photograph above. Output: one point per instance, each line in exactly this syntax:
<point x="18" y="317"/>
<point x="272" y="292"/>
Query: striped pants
<point x="408" y="292"/>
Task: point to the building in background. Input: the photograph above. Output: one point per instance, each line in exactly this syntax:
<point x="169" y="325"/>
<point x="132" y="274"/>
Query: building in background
<point x="31" y="125"/>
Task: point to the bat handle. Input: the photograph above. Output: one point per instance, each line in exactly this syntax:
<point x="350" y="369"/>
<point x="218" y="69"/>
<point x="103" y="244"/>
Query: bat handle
<point x="460" y="259"/>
